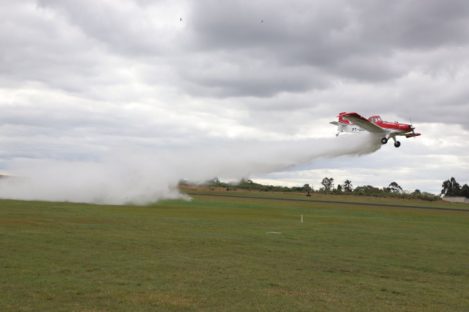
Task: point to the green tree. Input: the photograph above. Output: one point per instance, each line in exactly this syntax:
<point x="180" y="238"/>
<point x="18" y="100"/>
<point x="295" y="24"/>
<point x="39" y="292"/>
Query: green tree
<point x="307" y="189"/>
<point x="395" y="188"/>
<point x="368" y="190"/>
<point x="328" y="184"/>
<point x="465" y="190"/>
<point x="451" y="188"/>
<point x="445" y="187"/>
<point x="348" y="187"/>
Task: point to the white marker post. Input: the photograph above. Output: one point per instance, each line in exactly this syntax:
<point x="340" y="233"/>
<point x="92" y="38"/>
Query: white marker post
<point x="301" y="219"/>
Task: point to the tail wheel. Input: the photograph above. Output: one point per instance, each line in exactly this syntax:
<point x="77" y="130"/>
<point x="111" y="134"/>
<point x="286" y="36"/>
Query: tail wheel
<point x="384" y="141"/>
<point x="397" y="144"/>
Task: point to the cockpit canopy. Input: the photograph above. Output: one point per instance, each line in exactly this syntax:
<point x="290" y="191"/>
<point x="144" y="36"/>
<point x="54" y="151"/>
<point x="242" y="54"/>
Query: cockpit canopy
<point x="375" y="119"/>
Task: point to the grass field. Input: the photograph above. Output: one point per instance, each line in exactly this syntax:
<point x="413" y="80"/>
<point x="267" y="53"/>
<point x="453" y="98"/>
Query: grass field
<point x="233" y="254"/>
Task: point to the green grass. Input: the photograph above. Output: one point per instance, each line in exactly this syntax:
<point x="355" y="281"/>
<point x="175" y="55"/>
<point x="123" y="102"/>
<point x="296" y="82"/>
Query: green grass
<point x="231" y="254"/>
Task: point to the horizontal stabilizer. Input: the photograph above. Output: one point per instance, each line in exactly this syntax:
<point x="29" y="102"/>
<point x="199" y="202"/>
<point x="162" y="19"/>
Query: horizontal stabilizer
<point x="411" y="135"/>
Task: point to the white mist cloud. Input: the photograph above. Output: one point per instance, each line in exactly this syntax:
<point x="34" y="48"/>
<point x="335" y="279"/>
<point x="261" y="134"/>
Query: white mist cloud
<point x="146" y="175"/>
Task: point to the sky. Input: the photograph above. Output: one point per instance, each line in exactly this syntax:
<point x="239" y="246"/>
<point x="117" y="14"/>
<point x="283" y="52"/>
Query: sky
<point x="83" y="78"/>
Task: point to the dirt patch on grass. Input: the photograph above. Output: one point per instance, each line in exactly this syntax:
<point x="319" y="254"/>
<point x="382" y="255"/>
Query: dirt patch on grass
<point x="318" y="296"/>
<point x="162" y="298"/>
<point x="21" y="222"/>
<point x="278" y="291"/>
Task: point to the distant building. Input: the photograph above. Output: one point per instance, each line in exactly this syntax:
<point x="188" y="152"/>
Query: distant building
<point x="456" y="199"/>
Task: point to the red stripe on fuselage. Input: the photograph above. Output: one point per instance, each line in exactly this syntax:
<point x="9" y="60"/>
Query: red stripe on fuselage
<point x="394" y="126"/>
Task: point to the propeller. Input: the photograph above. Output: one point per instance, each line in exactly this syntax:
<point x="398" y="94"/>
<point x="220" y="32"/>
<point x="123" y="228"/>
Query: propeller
<point x="411" y="125"/>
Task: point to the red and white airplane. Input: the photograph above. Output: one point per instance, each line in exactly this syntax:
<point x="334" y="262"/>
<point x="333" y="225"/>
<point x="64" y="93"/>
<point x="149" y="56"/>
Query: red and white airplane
<point x="353" y="122"/>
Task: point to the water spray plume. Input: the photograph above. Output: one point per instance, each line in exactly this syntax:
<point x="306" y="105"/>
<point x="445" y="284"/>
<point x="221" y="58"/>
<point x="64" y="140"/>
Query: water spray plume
<point x="147" y="175"/>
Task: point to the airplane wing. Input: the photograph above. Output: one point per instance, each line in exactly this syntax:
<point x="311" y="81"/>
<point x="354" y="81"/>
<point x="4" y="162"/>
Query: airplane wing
<point x="363" y="123"/>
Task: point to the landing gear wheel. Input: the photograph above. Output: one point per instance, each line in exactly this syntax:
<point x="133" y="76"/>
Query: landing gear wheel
<point x="384" y="141"/>
<point x="397" y="144"/>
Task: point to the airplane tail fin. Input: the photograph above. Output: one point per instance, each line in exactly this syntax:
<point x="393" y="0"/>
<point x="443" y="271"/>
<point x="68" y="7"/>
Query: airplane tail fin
<point x="342" y="120"/>
<point x="344" y="125"/>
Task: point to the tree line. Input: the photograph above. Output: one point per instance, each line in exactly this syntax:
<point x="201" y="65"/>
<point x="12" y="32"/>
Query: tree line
<point x="328" y="186"/>
<point x="392" y="190"/>
<point x="450" y="187"/>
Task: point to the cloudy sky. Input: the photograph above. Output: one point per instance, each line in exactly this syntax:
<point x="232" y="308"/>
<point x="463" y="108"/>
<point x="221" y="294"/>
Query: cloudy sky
<point x="80" y="77"/>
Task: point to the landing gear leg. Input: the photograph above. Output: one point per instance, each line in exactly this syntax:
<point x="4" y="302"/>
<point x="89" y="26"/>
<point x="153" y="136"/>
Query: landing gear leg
<point x="396" y="142"/>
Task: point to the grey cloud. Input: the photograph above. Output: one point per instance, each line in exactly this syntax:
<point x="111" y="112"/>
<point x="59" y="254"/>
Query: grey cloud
<point x="415" y="24"/>
<point x="226" y="76"/>
<point x="121" y="26"/>
<point x="328" y="30"/>
<point x="355" y="41"/>
<point x="37" y="46"/>
<point x="80" y="122"/>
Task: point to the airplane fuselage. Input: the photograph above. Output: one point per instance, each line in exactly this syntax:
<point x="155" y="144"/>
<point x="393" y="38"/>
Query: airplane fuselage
<point x="353" y="122"/>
